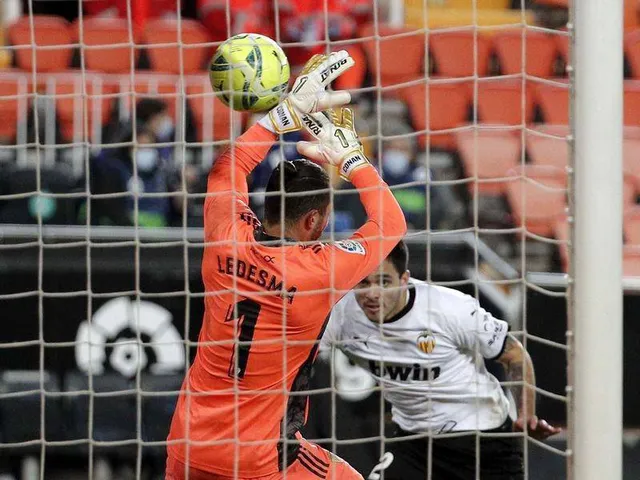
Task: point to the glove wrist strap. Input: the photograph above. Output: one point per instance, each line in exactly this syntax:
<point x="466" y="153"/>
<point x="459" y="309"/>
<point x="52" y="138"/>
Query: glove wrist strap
<point x="283" y="119"/>
<point x="352" y="161"/>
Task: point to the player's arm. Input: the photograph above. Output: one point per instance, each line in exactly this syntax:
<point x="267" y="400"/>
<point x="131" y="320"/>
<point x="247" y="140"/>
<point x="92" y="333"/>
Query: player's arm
<point x="340" y="146"/>
<point x="519" y="369"/>
<point x="227" y="179"/>
<point x="479" y="331"/>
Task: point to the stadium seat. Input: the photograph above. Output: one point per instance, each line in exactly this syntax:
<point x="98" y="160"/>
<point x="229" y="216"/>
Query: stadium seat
<point x="448" y="108"/>
<point x="632" y="226"/>
<point x="562" y="45"/>
<point x="553" y="100"/>
<point x="214" y="120"/>
<point x="455" y="53"/>
<point x="500" y="101"/>
<point x="393" y="68"/>
<point x="632" y="132"/>
<point x="632" y="52"/>
<point x="539" y="50"/>
<point x="72" y="105"/>
<point x="631" y="261"/>
<point x="106" y="32"/>
<point x="632" y="102"/>
<point x="538" y="198"/>
<point x="486" y="155"/>
<point x="167" y="58"/>
<point x="631" y="156"/>
<point x="546" y="150"/>
<point x="50" y="32"/>
<point x="561" y="233"/>
<point x="12" y="109"/>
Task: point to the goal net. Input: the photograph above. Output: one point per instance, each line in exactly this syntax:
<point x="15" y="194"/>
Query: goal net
<point x="462" y="105"/>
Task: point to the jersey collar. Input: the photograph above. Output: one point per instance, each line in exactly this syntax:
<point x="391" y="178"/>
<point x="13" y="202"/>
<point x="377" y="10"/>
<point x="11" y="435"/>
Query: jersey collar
<point x="269" y="240"/>
<point x="412" y="298"/>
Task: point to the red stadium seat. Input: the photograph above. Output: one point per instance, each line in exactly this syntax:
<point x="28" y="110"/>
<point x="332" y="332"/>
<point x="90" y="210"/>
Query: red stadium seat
<point x="393" y="68"/>
<point x="487" y="155"/>
<point x="631" y="151"/>
<point x="562" y="45"/>
<point x="632" y="226"/>
<point x="214" y="120"/>
<point x="167" y="58"/>
<point x="632" y="102"/>
<point x="538" y="198"/>
<point x="74" y="110"/>
<point x="53" y="43"/>
<point x="632" y="52"/>
<point x="448" y="107"/>
<point x="13" y="109"/>
<point x="500" y="101"/>
<point x="539" y="50"/>
<point x="551" y="151"/>
<point x="460" y="54"/>
<point x="554" y="102"/>
<point x="107" y="32"/>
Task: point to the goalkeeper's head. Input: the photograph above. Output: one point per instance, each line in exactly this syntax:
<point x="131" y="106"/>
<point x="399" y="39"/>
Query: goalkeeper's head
<point x="297" y="201"/>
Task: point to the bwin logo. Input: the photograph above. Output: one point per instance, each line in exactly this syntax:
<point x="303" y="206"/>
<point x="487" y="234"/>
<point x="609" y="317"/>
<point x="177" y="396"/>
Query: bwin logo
<point x="311" y="124"/>
<point x="126" y="336"/>
<point x="333" y="68"/>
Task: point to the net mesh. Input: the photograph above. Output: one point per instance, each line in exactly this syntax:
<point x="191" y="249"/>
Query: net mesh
<point x="463" y="105"/>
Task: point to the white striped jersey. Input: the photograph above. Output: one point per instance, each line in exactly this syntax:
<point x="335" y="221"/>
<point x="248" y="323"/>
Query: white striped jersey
<point x="428" y="358"/>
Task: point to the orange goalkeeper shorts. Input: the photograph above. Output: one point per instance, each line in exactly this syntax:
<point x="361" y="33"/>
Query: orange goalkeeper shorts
<point x="313" y="463"/>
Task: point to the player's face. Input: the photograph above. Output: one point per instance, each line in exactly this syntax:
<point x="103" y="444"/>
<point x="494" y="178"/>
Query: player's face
<point x="382" y="294"/>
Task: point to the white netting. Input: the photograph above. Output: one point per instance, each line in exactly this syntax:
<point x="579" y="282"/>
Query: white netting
<point x="464" y="104"/>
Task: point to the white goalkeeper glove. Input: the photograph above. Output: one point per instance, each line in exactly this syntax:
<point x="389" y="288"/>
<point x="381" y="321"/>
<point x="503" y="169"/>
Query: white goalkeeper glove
<point x="338" y="143"/>
<point x="309" y="93"/>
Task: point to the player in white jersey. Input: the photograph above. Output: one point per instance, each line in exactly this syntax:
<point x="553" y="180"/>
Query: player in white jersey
<point x="426" y="346"/>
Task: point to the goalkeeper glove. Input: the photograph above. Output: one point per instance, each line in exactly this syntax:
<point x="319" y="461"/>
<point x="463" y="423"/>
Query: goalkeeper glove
<point x="338" y="143"/>
<point x="308" y="94"/>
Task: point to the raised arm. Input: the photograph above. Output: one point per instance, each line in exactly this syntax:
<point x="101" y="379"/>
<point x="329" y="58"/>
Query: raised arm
<point x="351" y="260"/>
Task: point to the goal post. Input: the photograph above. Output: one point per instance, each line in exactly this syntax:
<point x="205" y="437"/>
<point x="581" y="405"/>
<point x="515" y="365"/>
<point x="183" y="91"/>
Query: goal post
<point x="596" y="306"/>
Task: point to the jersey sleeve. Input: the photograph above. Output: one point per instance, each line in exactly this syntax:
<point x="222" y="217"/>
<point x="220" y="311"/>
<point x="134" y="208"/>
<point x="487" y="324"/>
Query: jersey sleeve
<point x="347" y="262"/>
<point x="475" y="328"/>
<point x="227" y="190"/>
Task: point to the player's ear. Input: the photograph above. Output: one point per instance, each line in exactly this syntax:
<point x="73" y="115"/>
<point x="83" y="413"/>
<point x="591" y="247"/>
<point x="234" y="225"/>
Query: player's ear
<point x="404" y="278"/>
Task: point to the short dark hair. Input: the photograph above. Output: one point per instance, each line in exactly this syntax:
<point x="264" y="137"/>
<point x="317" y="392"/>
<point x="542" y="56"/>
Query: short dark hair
<point x="296" y="176"/>
<point x="149" y="107"/>
<point x="399" y="257"/>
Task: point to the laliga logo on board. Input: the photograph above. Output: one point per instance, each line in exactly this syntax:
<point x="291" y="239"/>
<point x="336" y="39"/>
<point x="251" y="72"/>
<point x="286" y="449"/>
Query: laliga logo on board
<point x="125" y="335"/>
<point x="426" y="342"/>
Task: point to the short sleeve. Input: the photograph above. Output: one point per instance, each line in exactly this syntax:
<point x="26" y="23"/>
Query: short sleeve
<point x="478" y="329"/>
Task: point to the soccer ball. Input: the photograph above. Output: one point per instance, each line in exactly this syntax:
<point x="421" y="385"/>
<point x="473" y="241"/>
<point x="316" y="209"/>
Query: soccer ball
<point x="250" y="71"/>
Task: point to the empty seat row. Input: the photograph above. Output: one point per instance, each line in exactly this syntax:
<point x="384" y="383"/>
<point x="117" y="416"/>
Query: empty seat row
<point x="487" y="153"/>
<point x="93" y="102"/>
<point x="110" y="45"/>
<point x="441" y="105"/>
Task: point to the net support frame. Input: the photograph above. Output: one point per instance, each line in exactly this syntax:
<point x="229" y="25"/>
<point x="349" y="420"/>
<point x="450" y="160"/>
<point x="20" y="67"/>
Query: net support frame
<point x="595" y="309"/>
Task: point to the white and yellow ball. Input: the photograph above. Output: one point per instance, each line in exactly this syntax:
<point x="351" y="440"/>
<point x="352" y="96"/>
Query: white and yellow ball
<point x="250" y="71"/>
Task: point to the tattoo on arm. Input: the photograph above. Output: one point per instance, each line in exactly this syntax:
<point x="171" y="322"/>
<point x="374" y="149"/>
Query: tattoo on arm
<point x="518" y="368"/>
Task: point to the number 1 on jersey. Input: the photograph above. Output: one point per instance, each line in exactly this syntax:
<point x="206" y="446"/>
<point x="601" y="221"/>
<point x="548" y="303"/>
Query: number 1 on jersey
<point x="246" y="312"/>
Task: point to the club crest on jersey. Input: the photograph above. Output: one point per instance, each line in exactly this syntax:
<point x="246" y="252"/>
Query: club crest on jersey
<point x="426" y="342"/>
<point x="351" y="246"/>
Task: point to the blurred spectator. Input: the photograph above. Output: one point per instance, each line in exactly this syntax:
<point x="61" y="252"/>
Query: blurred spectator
<point x="401" y="167"/>
<point x="113" y="172"/>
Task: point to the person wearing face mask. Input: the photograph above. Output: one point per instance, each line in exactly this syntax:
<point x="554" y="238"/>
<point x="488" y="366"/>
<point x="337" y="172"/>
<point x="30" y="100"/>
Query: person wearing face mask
<point x="135" y="169"/>
<point x="401" y="168"/>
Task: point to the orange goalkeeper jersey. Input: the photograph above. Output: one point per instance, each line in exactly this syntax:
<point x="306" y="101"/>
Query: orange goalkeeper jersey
<point x="266" y="307"/>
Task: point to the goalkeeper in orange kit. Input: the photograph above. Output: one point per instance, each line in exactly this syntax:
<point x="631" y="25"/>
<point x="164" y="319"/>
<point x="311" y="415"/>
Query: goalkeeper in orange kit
<point x="270" y="287"/>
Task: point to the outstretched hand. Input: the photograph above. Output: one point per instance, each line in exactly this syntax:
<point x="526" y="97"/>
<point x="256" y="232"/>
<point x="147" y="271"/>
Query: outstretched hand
<point x="535" y="427"/>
